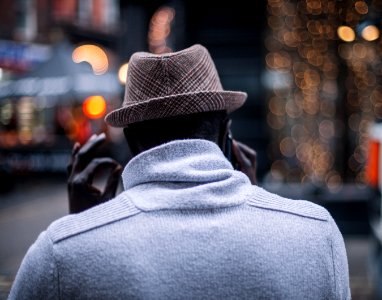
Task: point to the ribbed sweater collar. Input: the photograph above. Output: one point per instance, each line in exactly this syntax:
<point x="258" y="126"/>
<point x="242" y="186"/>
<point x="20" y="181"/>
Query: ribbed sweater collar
<point x="184" y="174"/>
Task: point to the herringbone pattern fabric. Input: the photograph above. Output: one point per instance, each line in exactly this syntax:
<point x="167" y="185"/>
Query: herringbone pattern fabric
<point x="172" y="84"/>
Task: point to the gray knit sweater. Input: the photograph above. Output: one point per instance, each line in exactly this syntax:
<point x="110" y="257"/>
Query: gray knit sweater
<point x="188" y="226"/>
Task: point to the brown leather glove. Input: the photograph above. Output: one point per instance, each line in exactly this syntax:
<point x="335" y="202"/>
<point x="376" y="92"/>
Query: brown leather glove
<point x="82" y="169"/>
<point x="246" y="158"/>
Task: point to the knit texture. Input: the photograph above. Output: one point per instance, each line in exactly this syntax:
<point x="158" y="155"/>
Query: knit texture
<point x="188" y="226"/>
<point x="172" y="84"/>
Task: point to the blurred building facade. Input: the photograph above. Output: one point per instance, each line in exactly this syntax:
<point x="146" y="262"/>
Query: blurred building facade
<point x="58" y="78"/>
<point x="230" y="32"/>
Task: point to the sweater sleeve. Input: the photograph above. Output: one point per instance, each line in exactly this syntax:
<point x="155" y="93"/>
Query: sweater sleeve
<point x="340" y="263"/>
<point x="37" y="277"/>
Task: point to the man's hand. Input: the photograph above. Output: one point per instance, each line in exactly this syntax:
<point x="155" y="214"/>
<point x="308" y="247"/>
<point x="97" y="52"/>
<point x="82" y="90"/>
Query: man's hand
<point x="82" y="169"/>
<point x="247" y="160"/>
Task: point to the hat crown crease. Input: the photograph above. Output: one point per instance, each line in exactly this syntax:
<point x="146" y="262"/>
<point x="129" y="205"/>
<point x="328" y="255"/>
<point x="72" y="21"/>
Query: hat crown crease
<point x="153" y="77"/>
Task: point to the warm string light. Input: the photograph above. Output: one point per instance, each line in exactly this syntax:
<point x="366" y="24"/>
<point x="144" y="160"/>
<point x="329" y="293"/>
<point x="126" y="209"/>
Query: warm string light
<point x="346" y="33"/>
<point x="308" y="42"/>
<point x="364" y="92"/>
<point x="370" y="33"/>
<point x="364" y="98"/>
<point x="302" y="114"/>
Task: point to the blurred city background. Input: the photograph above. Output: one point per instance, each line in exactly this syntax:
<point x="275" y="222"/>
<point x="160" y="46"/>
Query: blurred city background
<point x="312" y="70"/>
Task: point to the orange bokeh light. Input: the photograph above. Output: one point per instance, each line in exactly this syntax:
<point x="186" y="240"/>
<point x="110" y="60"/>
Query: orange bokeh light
<point x="94" y="107"/>
<point x="346" y="33"/>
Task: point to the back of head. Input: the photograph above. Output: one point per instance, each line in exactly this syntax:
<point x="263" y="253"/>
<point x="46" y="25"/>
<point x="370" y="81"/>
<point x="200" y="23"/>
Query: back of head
<point x="150" y="133"/>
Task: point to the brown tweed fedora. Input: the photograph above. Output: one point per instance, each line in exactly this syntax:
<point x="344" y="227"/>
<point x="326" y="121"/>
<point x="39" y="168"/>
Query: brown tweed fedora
<point x="172" y="84"/>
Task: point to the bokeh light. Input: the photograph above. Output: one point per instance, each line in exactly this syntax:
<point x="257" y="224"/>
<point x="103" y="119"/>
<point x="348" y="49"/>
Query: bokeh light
<point x="122" y="73"/>
<point x="361" y="7"/>
<point x="160" y="29"/>
<point x="303" y="115"/>
<point x="370" y="33"/>
<point x="93" y="55"/>
<point x="346" y="33"/>
<point x="94" y="107"/>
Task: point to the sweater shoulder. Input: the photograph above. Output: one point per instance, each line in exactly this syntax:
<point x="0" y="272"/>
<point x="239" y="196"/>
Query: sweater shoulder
<point x="266" y="200"/>
<point x="106" y="213"/>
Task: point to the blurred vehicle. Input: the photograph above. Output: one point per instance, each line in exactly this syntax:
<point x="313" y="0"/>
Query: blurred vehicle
<point x="374" y="179"/>
<point x="45" y="111"/>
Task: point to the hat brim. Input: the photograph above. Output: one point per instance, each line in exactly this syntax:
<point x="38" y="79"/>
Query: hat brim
<point x="175" y="105"/>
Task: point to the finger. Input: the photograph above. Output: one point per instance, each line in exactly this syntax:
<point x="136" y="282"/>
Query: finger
<point x="87" y="152"/>
<point x="248" y="152"/>
<point x="87" y="175"/>
<point x="246" y="149"/>
<point x="92" y="143"/>
<point x="239" y="155"/>
<point x="112" y="184"/>
<point x="75" y="149"/>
